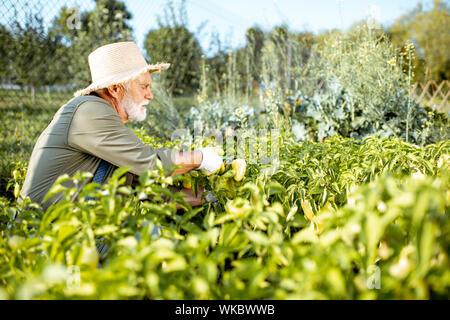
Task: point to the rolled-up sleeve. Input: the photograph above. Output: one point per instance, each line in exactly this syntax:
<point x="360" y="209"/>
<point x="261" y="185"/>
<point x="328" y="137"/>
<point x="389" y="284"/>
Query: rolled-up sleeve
<point x="97" y="129"/>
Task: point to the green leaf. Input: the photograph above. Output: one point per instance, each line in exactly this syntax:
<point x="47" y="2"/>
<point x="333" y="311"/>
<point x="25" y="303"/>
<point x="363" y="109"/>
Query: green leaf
<point x="291" y="213"/>
<point x="65" y="232"/>
<point x="54" y="190"/>
<point x="274" y="187"/>
<point x="257" y="238"/>
<point x="306" y="235"/>
<point x="177" y="263"/>
<point x="227" y="233"/>
<point x="105" y="229"/>
<point x="189" y="215"/>
<point x="426" y="246"/>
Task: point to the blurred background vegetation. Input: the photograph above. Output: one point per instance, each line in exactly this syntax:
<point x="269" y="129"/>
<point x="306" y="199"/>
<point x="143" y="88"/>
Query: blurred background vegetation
<point x="35" y="54"/>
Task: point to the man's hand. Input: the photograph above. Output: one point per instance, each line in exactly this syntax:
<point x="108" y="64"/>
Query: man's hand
<point x="191" y="198"/>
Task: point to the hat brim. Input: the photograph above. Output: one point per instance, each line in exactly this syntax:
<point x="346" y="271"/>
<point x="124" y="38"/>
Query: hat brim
<point x="121" y="78"/>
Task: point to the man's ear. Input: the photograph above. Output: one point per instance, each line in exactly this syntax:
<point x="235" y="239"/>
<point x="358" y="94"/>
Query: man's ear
<point x="116" y="91"/>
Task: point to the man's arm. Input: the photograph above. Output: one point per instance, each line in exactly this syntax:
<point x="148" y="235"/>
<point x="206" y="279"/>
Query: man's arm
<point x="96" y="129"/>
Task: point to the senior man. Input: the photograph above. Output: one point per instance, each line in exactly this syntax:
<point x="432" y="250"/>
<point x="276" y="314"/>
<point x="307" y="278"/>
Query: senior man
<point x="88" y="133"/>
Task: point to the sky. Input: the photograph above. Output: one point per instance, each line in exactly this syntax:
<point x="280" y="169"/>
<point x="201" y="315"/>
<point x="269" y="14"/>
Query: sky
<point x="231" y="18"/>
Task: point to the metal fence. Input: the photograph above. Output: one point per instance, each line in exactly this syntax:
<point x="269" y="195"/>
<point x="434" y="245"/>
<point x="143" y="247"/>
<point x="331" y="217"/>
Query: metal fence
<point x="44" y="45"/>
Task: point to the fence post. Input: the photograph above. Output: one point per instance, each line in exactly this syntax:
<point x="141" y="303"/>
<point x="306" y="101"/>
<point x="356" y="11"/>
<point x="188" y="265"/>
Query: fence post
<point x="33" y="97"/>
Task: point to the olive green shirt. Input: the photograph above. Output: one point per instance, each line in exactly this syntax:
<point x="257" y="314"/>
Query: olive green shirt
<point x="82" y="132"/>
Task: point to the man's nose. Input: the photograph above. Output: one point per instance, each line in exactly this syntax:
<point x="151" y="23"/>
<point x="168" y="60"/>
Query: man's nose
<point x="149" y="95"/>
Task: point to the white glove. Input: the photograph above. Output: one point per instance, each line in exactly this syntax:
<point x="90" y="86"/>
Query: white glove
<point x="211" y="160"/>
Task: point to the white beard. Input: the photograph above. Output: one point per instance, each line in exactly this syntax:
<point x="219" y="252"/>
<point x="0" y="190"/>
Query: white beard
<point x="134" y="111"/>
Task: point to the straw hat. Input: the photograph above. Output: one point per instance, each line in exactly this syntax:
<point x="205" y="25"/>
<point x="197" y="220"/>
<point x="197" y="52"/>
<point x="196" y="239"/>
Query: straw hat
<point x="117" y="63"/>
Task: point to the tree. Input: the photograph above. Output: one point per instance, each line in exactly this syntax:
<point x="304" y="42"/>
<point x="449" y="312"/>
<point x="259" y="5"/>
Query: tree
<point x="32" y="52"/>
<point x="278" y="54"/>
<point x="106" y="23"/>
<point x="6" y="42"/>
<point x="255" y="43"/>
<point x="429" y="31"/>
<point x="172" y="42"/>
<point x="178" y="46"/>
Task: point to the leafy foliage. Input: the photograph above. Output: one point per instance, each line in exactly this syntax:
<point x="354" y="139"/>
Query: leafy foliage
<point x="6" y="44"/>
<point x="31" y="48"/>
<point x="427" y="28"/>
<point x="317" y="229"/>
<point x="364" y="92"/>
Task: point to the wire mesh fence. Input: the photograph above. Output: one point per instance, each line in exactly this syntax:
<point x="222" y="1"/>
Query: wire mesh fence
<point x="44" y="45"/>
